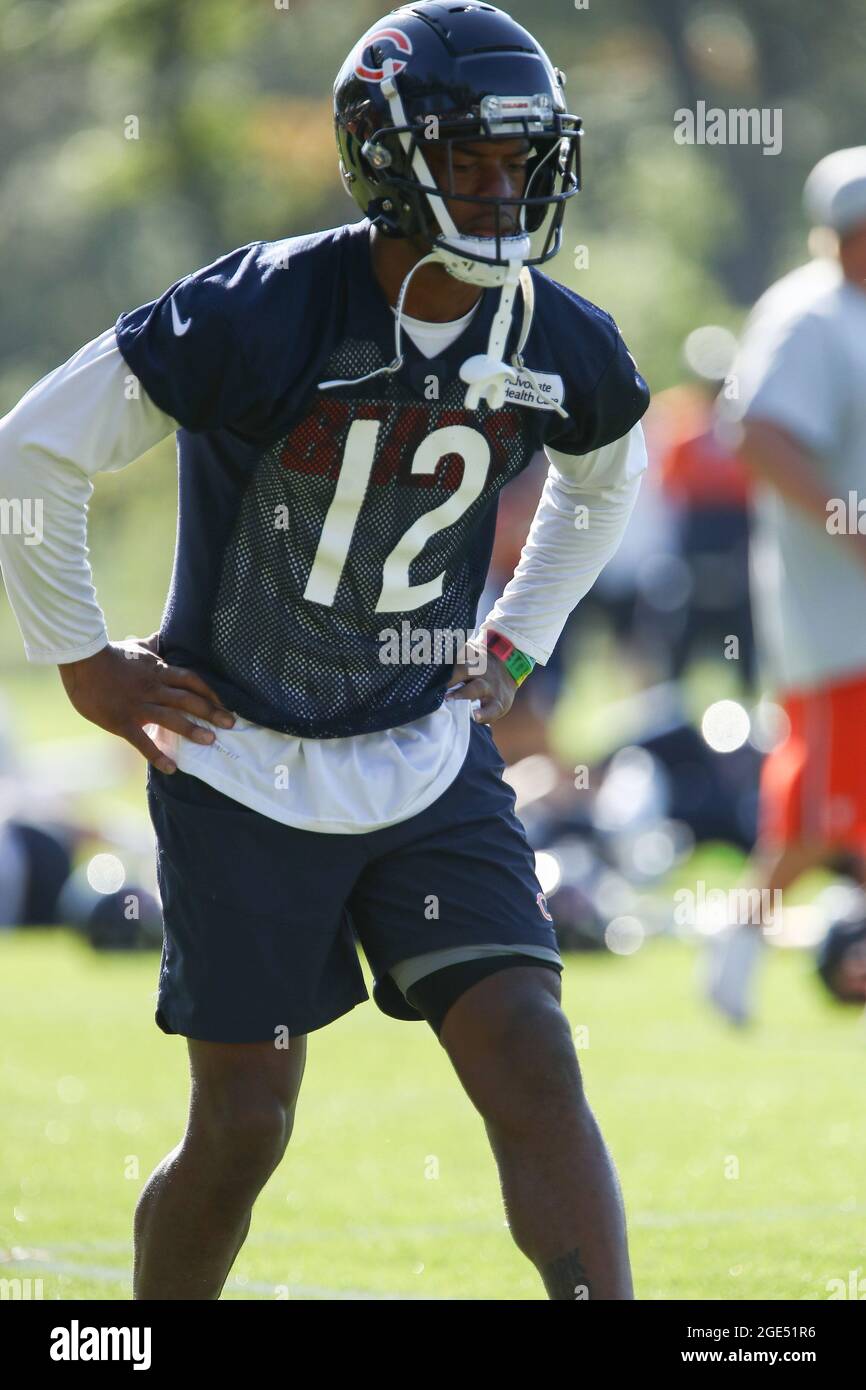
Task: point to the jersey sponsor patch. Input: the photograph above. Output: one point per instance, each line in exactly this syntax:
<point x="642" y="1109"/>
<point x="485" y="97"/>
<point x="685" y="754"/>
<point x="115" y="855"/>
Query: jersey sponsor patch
<point x="522" y="392"/>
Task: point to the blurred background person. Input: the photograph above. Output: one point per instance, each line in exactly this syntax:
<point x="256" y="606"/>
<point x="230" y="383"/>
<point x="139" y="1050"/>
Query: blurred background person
<point x="707" y="486"/>
<point x="802" y="408"/>
<point x="841" y="956"/>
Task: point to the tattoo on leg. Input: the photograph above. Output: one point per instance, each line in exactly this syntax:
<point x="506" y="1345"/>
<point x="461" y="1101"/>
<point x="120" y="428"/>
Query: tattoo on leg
<point x="565" y="1277"/>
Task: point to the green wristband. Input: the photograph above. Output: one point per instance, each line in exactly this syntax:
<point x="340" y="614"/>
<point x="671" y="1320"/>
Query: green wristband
<point x="517" y="663"/>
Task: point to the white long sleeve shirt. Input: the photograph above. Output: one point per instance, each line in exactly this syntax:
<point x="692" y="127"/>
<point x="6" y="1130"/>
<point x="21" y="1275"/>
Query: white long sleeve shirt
<point x="91" y="415"/>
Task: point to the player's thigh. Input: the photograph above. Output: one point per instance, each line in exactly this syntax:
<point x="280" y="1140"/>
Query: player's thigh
<point x="235" y="1084"/>
<point x="258" y="944"/>
<point x="507" y="1011"/>
<point x="448" y="975"/>
<point x="511" y="1045"/>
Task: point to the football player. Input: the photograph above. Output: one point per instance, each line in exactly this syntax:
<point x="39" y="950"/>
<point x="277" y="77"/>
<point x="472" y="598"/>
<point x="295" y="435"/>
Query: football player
<point x="348" y="406"/>
<point x="801" y="418"/>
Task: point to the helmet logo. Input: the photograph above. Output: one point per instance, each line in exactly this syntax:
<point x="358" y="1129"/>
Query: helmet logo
<point x="401" y="41"/>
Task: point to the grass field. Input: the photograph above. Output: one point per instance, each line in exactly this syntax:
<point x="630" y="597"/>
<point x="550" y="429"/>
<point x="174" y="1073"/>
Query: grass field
<point x="93" y="1095"/>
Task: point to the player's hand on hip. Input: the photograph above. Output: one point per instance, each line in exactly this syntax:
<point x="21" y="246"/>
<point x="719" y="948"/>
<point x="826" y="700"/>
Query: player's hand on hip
<point x="484" y="677"/>
<point x="127" y="685"/>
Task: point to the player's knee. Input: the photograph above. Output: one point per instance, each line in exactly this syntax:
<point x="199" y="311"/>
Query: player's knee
<point x="243" y="1134"/>
<point x="530" y="1065"/>
<point x="538" y="1055"/>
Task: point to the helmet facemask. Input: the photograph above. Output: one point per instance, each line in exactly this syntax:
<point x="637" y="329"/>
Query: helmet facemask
<point x="413" y="203"/>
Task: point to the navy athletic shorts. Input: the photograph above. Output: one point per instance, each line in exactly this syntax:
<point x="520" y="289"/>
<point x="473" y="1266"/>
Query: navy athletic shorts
<point x="262" y="919"/>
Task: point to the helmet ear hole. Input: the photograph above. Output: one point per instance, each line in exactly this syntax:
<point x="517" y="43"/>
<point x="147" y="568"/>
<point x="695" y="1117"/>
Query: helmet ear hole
<point x="376" y="155"/>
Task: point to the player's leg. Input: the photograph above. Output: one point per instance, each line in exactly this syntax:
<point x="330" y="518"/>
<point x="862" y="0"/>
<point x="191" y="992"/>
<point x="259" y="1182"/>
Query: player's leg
<point x="461" y="876"/>
<point x="812" y="814"/>
<point x="194" y="1212"/>
<point x="511" y="1046"/>
<point x="735" y="952"/>
<point x="258" y="953"/>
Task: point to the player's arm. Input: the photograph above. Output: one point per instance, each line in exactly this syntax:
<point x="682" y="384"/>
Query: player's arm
<point x="578" y="525"/>
<point x="596" y="459"/>
<point x="789" y="413"/>
<point x="580" y="520"/>
<point x="773" y="455"/>
<point x="87" y="416"/>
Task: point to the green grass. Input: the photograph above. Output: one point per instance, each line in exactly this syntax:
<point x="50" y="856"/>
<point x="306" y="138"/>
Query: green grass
<point x="93" y="1096"/>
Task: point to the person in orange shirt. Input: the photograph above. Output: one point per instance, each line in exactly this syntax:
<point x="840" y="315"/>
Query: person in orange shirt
<point x="708" y="486"/>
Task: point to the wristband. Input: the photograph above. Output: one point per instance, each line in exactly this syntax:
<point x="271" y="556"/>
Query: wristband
<point x="517" y="663"/>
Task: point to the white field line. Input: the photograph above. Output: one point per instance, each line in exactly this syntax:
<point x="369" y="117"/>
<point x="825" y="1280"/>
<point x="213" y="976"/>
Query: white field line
<point x="650" y="1220"/>
<point x="757" y="1216"/>
<point x="103" y="1274"/>
<point x="45" y="1261"/>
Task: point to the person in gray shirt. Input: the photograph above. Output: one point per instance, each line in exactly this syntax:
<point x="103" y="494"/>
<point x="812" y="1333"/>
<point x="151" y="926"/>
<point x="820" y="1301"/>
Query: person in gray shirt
<point x="801" y="421"/>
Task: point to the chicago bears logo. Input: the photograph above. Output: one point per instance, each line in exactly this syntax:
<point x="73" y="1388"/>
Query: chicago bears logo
<point x="401" y="42"/>
<point x="542" y="906"/>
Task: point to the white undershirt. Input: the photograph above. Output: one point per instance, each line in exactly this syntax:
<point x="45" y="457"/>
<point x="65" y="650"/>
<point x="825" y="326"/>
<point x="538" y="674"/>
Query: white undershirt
<point x="83" y="418"/>
<point x="435" y="338"/>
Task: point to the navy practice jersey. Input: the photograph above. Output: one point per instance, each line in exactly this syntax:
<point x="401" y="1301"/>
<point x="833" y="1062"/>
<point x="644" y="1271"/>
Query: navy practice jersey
<point x="311" y="522"/>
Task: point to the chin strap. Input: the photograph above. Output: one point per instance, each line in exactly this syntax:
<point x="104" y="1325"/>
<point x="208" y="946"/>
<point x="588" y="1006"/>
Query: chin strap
<point x="488" y="375"/>
<point x="527" y="286"/>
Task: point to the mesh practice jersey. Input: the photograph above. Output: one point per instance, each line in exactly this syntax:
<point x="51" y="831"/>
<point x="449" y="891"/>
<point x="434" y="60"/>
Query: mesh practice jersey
<point x="313" y="523"/>
<point x="85" y="418"/>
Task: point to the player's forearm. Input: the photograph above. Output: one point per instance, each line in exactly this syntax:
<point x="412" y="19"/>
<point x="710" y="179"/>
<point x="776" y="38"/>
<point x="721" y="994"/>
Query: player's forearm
<point x="574" y="533"/>
<point x="577" y="528"/>
<point x="775" y="458"/>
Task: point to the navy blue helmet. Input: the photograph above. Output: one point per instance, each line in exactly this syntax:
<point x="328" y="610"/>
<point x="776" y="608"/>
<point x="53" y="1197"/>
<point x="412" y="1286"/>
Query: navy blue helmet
<point x="453" y="73"/>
